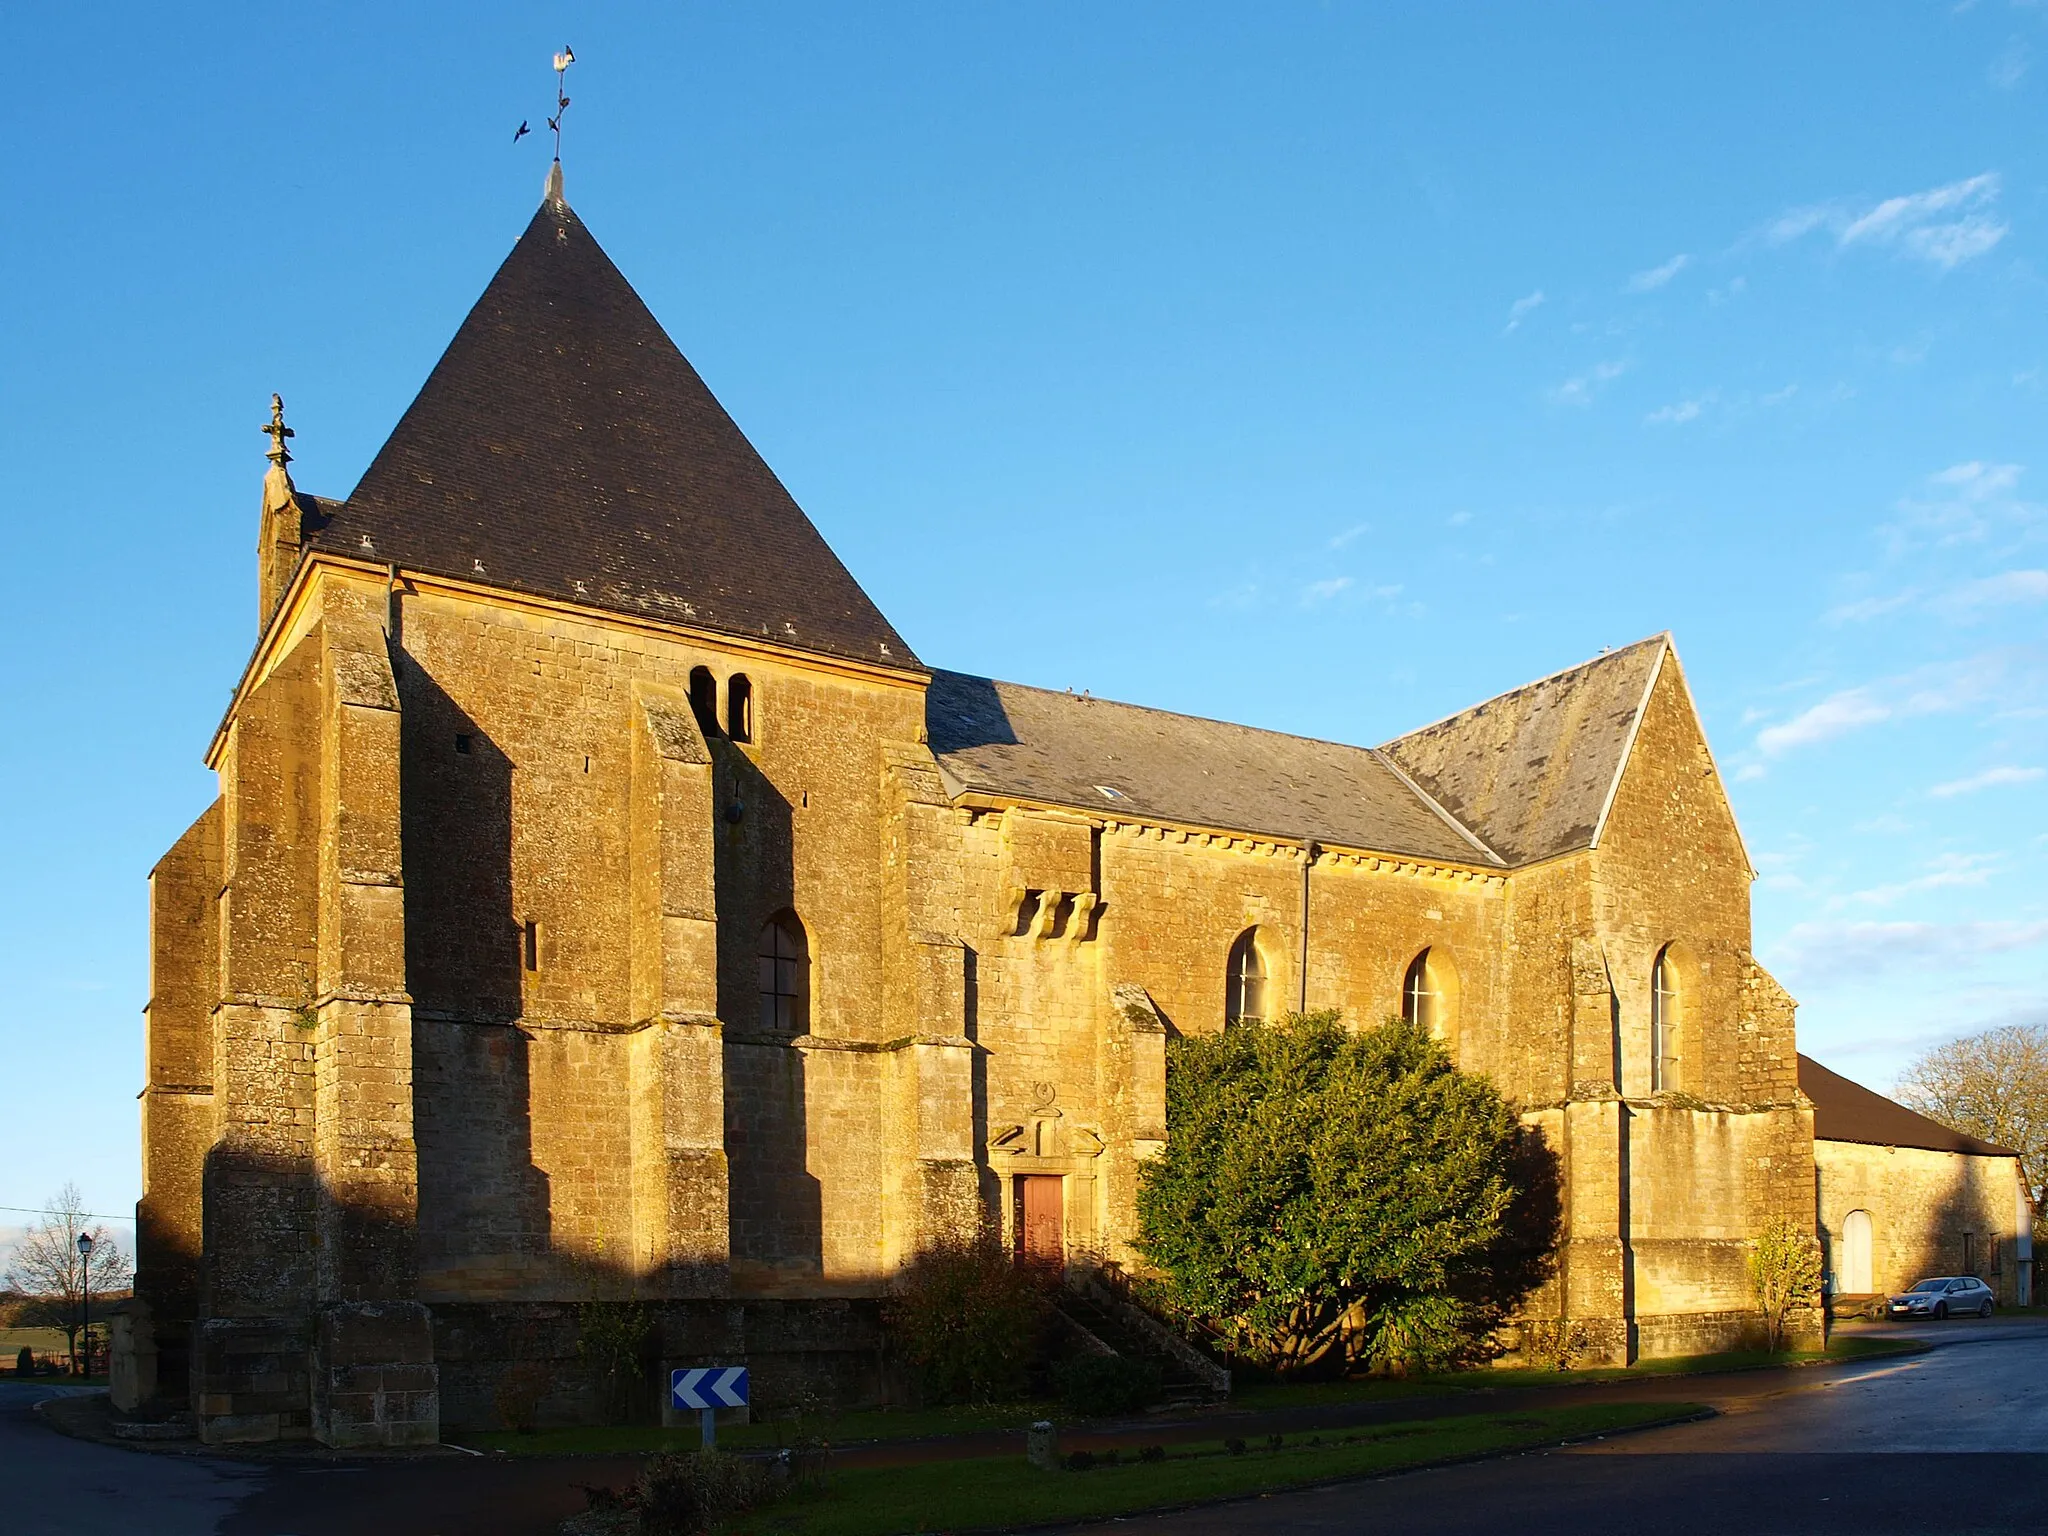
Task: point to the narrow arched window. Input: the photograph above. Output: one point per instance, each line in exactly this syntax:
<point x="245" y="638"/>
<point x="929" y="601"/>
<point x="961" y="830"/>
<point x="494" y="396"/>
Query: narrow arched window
<point x="785" y="976"/>
<point x="1429" y="995"/>
<point x="739" y="707"/>
<point x="1420" y="1003"/>
<point x="1667" y="1007"/>
<point x="704" y="699"/>
<point x="1244" y="996"/>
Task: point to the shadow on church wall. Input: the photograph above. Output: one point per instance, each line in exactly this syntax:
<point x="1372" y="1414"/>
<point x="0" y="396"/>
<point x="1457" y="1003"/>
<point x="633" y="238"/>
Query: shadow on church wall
<point x="485" y="1217"/>
<point x="777" y="1227"/>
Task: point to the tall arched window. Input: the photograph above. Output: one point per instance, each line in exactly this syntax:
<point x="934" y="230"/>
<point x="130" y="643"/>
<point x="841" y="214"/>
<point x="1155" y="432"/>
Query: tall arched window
<point x="1429" y="995"/>
<point x="704" y="699"/>
<point x="1244" y="995"/>
<point x="739" y="707"/>
<point x="785" y="976"/>
<point x="1667" y="1010"/>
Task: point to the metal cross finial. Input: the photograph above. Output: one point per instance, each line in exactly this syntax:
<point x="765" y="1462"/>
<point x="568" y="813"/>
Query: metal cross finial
<point x="562" y="62"/>
<point x="277" y="432"/>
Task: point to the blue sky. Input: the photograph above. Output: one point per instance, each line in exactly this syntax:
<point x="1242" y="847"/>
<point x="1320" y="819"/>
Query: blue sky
<point x="1324" y="367"/>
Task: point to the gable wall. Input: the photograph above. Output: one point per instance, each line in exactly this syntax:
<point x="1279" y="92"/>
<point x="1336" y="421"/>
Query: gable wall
<point x="1671" y="866"/>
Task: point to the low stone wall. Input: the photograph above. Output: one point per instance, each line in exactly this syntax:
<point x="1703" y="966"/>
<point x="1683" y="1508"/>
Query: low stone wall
<point x="797" y="1353"/>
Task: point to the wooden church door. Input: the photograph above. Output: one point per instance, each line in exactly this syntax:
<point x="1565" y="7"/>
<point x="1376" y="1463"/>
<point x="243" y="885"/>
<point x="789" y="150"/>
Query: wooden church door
<point x="1040" y="1235"/>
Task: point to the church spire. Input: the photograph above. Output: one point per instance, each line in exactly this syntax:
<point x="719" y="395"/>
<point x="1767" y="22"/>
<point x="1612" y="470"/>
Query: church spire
<point x="281" y="527"/>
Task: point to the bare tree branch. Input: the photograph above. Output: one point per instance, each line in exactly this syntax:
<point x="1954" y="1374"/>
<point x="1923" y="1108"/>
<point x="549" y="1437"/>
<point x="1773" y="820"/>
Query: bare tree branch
<point x="48" y="1267"/>
<point x="1993" y="1086"/>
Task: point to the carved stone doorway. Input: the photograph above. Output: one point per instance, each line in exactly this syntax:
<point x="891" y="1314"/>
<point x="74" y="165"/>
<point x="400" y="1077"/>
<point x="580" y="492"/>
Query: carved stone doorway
<point x="1041" y="1235"/>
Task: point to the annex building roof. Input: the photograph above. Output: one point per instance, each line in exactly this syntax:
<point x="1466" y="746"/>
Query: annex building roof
<point x="1846" y="1111"/>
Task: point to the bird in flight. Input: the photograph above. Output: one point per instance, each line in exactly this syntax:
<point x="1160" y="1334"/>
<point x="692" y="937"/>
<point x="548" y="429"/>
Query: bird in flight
<point x="521" y="131"/>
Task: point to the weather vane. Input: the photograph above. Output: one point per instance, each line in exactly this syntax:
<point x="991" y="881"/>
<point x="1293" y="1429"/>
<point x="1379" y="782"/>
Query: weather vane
<point x="562" y="62"/>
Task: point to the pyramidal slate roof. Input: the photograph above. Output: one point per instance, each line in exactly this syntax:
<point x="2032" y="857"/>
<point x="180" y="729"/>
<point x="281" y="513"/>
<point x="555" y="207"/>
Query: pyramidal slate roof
<point x="564" y="447"/>
<point x="1846" y="1111"/>
<point x="1532" y="771"/>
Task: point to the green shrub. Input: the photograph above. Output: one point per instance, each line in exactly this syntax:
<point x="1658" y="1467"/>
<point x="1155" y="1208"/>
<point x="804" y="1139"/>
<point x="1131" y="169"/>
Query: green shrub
<point x="518" y="1395"/>
<point x="1784" y="1269"/>
<point x="1100" y="1386"/>
<point x="25" y="1361"/>
<point x="1345" y="1197"/>
<point x="687" y="1493"/>
<point x="611" y="1337"/>
<point x="968" y="1317"/>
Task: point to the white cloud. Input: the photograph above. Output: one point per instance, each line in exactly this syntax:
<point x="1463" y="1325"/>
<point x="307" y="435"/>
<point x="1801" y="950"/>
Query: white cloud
<point x="1930" y="690"/>
<point x="1522" y="308"/>
<point x="1836" y="715"/>
<point x="1340" y="540"/>
<point x="1750" y="772"/>
<point x="1580" y="389"/>
<point x="1322" y="591"/>
<point x="1962" y="503"/>
<point x="1972" y="597"/>
<point x="1778" y="396"/>
<point x="1946" y="225"/>
<point x="1950" y="869"/>
<point x="1864" y="608"/>
<point x="1656" y="277"/>
<point x="1990" y="778"/>
<point x="2010" y="66"/>
<point x="1833" y="951"/>
<point x="1460" y="519"/>
<point x="1675" y="415"/>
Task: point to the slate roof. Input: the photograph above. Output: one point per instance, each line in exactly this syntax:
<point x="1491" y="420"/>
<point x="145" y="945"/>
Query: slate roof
<point x="1531" y="771"/>
<point x="1032" y="743"/>
<point x="1846" y="1111"/>
<point x="564" y="447"/>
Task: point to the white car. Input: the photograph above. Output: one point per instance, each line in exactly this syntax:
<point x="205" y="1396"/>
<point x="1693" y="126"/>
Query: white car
<point x="1945" y="1296"/>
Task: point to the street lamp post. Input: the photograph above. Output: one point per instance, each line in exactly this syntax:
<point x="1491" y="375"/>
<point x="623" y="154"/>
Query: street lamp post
<point x="85" y="1295"/>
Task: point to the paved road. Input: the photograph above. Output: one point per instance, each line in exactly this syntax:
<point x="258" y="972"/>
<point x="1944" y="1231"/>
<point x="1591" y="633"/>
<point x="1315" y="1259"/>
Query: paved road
<point x="1966" y="1429"/>
<point x="54" y="1486"/>
<point x="1952" y="1442"/>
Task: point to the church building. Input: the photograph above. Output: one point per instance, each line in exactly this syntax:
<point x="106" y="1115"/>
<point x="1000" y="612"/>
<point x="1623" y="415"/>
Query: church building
<point x="603" y="898"/>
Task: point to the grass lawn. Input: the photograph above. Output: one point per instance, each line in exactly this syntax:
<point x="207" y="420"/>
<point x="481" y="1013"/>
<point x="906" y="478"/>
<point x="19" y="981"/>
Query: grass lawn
<point x="1264" y="1395"/>
<point x="839" y="1429"/>
<point x="1008" y="1491"/>
<point x="924" y="1423"/>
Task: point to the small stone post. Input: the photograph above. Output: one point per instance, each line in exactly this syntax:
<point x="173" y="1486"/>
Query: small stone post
<point x="1042" y="1446"/>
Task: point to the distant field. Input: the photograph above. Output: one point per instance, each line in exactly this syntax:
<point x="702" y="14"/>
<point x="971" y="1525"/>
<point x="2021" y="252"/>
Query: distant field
<point x="44" y="1341"/>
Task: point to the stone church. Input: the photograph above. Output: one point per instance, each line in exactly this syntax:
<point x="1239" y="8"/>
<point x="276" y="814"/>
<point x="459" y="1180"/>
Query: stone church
<point x="603" y="897"/>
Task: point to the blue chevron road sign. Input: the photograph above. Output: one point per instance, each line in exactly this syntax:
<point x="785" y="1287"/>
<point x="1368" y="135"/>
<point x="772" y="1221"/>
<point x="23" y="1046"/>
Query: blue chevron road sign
<point x="708" y="1386"/>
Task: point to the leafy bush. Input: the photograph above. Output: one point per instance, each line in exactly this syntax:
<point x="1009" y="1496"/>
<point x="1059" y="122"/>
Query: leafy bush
<point x="1152" y="1453"/>
<point x="24" y="1361"/>
<point x="1784" y="1268"/>
<point x="518" y="1395"/>
<point x="1080" y="1461"/>
<point x="685" y="1494"/>
<point x="1099" y="1386"/>
<point x="611" y="1337"/>
<point x="1551" y="1343"/>
<point x="1323" y="1191"/>
<point x="968" y="1317"/>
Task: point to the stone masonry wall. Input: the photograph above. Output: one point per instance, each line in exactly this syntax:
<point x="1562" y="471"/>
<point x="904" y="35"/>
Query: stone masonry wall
<point x="1921" y="1203"/>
